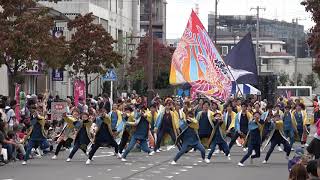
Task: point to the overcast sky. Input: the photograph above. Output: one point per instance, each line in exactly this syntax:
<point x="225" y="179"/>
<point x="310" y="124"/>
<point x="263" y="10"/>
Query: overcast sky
<point x="178" y="12"/>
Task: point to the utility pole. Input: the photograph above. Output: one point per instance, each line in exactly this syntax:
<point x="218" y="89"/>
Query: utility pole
<point x="150" y="62"/>
<point x="296" y="36"/>
<point x="296" y="52"/>
<point x="215" y="21"/>
<point x="258" y="36"/>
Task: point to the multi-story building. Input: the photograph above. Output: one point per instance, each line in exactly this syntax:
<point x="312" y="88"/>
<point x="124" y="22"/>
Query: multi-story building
<point x="233" y="26"/>
<point x="159" y="13"/>
<point x="121" y="18"/>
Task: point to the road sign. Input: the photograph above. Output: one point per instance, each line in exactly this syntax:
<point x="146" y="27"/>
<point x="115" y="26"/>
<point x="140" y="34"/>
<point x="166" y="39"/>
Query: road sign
<point x="110" y="75"/>
<point x="57" y="75"/>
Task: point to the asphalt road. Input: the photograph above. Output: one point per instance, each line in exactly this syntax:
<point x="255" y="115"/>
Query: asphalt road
<point x="141" y="166"/>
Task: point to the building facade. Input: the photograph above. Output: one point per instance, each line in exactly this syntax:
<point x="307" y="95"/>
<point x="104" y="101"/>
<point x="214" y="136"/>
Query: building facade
<point x="120" y="18"/>
<point x="233" y="26"/>
<point x="159" y="13"/>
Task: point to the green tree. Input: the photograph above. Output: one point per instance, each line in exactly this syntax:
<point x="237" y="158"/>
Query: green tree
<point x="283" y="78"/>
<point x="91" y="50"/>
<point x="311" y="80"/>
<point x="313" y="6"/>
<point x="299" y="79"/>
<point x="161" y="62"/>
<point x="26" y="39"/>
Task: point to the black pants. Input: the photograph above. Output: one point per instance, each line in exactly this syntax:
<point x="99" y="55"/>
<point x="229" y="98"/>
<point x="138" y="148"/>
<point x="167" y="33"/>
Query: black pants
<point x="63" y="143"/>
<point x="233" y="140"/>
<point x="96" y="146"/>
<point x="124" y="141"/>
<point x="251" y="147"/>
<point x="160" y="136"/>
<point x="274" y="143"/>
<point x="75" y="149"/>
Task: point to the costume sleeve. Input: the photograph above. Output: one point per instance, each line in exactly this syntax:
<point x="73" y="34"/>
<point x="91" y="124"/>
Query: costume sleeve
<point x="237" y="122"/>
<point x="159" y="120"/>
<point x="305" y="118"/>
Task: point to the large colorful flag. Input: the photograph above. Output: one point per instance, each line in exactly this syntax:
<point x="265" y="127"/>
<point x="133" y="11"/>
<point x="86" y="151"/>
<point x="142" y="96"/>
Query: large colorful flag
<point x="197" y="61"/>
<point x="242" y="62"/>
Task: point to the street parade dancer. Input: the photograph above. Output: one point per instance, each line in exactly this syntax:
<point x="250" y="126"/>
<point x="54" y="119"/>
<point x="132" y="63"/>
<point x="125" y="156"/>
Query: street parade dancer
<point x="205" y="119"/>
<point x="289" y="125"/>
<point x="66" y="136"/>
<point x="123" y="129"/>
<point x="36" y="135"/>
<point x="188" y="138"/>
<point x="218" y="136"/>
<point x="229" y="118"/>
<point x="140" y="131"/>
<point x="104" y="135"/>
<point x="253" y="139"/>
<point x="83" y="136"/>
<point x="115" y="116"/>
<point x="267" y="118"/>
<point x="314" y="146"/>
<point x="277" y="137"/>
<point x="167" y="123"/>
<point x="301" y="119"/>
<point x="241" y="125"/>
<point x="152" y="134"/>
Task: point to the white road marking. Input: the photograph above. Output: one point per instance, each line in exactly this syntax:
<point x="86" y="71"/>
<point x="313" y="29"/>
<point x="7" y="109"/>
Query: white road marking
<point x="134" y="170"/>
<point x="102" y="156"/>
<point x="169" y="177"/>
<point x="116" y="177"/>
<point x="162" y="168"/>
<point x="89" y="176"/>
<point x="150" y="164"/>
<point x="183" y="170"/>
<point x="188" y="167"/>
<point x="156" y="172"/>
<point x="109" y="169"/>
<point x="143" y="167"/>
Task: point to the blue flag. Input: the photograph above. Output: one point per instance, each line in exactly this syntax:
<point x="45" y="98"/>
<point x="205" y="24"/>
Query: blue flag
<point x="242" y="62"/>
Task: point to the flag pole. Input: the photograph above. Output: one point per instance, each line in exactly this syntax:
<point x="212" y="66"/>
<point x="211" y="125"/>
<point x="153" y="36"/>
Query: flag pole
<point x="233" y="77"/>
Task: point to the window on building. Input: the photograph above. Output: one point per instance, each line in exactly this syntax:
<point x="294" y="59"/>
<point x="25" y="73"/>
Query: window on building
<point x="264" y="61"/>
<point x="270" y="46"/>
<point x="224" y="50"/>
<point x="121" y="4"/>
<point x="286" y="61"/>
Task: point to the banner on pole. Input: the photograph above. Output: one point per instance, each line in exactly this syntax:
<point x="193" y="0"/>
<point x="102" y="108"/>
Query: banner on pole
<point x="17" y="98"/>
<point x="57" y="110"/>
<point x="79" y="91"/>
